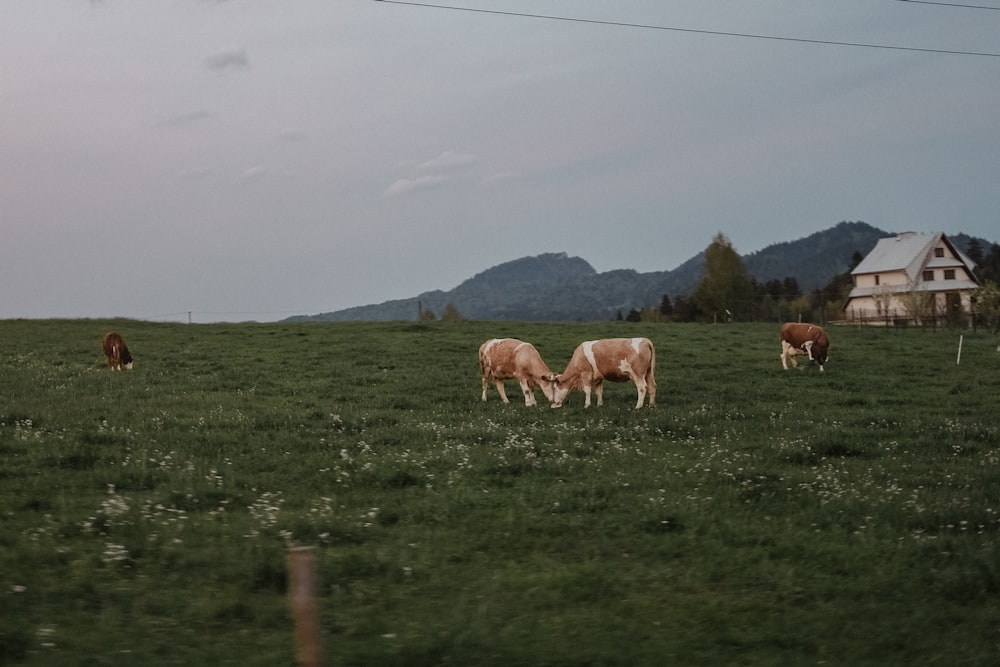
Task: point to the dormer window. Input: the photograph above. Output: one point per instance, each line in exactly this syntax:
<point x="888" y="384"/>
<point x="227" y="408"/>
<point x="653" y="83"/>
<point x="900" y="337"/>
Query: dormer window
<point x="939" y="252"/>
<point x="949" y="274"/>
<point x="928" y="276"/>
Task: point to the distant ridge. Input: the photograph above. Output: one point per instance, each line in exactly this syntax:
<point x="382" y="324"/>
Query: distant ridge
<point x="556" y="287"/>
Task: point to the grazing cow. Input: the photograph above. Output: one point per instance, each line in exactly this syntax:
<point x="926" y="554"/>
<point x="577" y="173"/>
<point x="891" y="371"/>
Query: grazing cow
<point x="803" y="338"/>
<point x="117" y="352"/>
<point x="614" y="359"/>
<point x="508" y="358"/>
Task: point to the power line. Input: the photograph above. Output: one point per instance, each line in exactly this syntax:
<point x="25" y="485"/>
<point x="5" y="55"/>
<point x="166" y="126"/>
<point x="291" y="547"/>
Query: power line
<point x="648" y="26"/>
<point x="949" y="4"/>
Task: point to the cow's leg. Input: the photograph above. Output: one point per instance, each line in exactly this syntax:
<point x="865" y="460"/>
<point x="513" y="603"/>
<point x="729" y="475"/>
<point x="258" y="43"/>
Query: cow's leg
<point x="785" y="350"/>
<point x="500" y="390"/>
<point x="640" y="385"/>
<point x="586" y="394"/>
<point x="529" y="392"/>
<point x="651" y="387"/>
<point x="599" y="389"/>
<point x="486" y="385"/>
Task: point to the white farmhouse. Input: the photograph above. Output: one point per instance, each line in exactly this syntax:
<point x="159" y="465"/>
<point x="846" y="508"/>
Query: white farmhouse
<point x="911" y="278"/>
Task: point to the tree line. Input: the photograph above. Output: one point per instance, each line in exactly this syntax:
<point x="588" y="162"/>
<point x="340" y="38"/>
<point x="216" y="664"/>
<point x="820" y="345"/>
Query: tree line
<point x="728" y="293"/>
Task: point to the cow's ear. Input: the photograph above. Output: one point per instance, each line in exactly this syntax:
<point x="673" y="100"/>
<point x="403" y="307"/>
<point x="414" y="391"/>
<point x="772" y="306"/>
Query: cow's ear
<point x="551" y="377"/>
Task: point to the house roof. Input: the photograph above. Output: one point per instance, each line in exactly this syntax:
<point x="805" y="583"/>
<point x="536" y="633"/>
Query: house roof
<point x="911" y="252"/>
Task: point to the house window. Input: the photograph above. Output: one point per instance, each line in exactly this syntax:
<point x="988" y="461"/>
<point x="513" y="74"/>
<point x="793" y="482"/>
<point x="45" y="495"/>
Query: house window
<point x="949" y="274"/>
<point x="928" y="276"/>
<point x="939" y="252"/>
<point x="876" y="279"/>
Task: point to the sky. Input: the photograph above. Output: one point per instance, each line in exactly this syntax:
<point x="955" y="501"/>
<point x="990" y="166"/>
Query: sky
<point x="231" y="160"/>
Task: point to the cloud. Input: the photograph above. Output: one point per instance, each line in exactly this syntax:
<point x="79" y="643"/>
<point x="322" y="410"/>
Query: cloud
<point x="500" y="176"/>
<point x="228" y="58"/>
<point x="252" y="174"/>
<point x="405" y="186"/>
<point x="440" y="167"/>
<point x="449" y="159"/>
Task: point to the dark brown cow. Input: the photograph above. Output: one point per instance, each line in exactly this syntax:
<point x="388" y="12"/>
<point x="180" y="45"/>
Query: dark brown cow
<point x="509" y="358"/>
<point x="614" y="359"/>
<point x="803" y="338"/>
<point x="117" y="352"/>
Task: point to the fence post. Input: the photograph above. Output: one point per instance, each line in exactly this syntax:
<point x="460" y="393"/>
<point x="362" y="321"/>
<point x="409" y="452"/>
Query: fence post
<point x="301" y="593"/>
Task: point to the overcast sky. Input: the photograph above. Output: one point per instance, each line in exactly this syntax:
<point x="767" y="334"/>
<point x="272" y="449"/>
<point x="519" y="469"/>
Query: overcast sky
<point x="246" y="159"/>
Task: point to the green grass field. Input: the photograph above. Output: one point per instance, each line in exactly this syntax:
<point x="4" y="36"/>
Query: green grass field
<point x="753" y="517"/>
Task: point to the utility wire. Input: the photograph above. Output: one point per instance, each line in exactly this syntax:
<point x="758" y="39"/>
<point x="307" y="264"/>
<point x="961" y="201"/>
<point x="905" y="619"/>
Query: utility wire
<point x="949" y="4"/>
<point x="648" y="26"/>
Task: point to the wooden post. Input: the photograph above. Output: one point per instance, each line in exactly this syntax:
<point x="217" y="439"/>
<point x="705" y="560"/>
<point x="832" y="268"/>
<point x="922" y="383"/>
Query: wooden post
<point x="958" y="359"/>
<point x="301" y="593"/>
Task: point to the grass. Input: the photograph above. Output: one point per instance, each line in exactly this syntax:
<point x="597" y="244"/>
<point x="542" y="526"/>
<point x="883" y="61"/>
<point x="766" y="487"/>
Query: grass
<point x="755" y="516"/>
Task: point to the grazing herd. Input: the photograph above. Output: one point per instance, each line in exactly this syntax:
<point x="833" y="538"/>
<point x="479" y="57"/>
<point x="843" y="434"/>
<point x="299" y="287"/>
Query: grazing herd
<point x="593" y="362"/>
<point x="612" y="359"/>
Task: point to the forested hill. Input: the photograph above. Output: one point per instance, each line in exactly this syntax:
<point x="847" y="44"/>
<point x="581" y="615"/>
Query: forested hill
<point x="556" y="287"/>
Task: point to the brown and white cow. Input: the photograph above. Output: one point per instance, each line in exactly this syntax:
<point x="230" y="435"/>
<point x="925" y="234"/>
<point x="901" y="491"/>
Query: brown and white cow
<point x="509" y="358"/>
<point x="117" y="352"/>
<point x="803" y="338"/>
<point x="614" y="359"/>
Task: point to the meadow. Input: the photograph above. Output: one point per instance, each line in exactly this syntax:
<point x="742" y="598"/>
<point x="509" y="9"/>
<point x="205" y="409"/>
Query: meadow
<point x="753" y="517"/>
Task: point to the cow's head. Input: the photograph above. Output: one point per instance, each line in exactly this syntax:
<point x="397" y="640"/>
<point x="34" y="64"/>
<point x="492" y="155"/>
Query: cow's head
<point x="820" y="351"/>
<point x="548" y="386"/>
<point x="559" y="390"/>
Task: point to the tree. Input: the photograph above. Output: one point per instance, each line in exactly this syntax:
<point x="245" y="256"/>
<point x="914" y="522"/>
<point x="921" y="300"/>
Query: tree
<point x="726" y="291"/>
<point x="451" y="313"/>
<point x="790" y="288"/>
<point x="975" y="251"/>
<point x="666" y="308"/>
<point x="827" y="302"/>
<point x="685" y="309"/>
<point x="986" y="303"/>
<point x="989" y="271"/>
<point x="916" y="305"/>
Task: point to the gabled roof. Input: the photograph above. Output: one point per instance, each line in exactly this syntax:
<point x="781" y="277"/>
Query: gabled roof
<point x="911" y="252"/>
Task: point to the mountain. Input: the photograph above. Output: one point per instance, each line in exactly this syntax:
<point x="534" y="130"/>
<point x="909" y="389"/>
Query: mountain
<point x="555" y="287"/>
